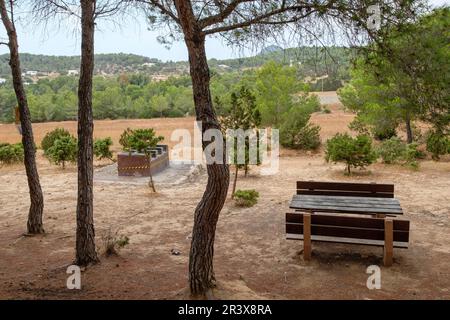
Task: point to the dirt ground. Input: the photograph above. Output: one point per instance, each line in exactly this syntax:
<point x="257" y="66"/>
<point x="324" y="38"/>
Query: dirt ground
<point x="253" y="260"/>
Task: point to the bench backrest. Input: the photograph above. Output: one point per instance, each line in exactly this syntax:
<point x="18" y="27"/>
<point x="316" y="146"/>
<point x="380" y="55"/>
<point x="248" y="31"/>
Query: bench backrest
<point x="347" y="227"/>
<point x="345" y="189"/>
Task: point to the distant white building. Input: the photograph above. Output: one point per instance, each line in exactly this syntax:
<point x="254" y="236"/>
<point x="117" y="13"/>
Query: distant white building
<point x="31" y="73"/>
<point x="223" y="66"/>
<point x="2" y="80"/>
<point x="73" y="72"/>
<point x="148" y="64"/>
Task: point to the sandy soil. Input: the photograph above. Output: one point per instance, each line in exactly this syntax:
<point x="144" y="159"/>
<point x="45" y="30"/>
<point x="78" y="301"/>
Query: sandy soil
<point x="252" y="258"/>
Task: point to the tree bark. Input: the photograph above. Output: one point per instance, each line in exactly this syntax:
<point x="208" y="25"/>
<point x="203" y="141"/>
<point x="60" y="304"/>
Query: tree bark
<point x="85" y="237"/>
<point x="235" y="180"/>
<point x="201" y="273"/>
<point x="34" y="224"/>
<point x="409" y="133"/>
<point x="151" y="184"/>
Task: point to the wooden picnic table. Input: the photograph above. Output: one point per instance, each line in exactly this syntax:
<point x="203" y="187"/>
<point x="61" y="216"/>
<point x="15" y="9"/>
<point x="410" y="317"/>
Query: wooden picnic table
<point x="346" y="204"/>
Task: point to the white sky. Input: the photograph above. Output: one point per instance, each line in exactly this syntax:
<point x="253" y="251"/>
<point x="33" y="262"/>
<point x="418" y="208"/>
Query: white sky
<point x="132" y="37"/>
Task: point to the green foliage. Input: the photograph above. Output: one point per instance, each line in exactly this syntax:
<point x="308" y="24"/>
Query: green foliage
<point x="438" y="144"/>
<point x="50" y="138"/>
<point x="246" y="198"/>
<point x="326" y="110"/>
<point x="135" y="95"/>
<point x="139" y="140"/>
<point x="63" y="149"/>
<point x="275" y="87"/>
<point x="11" y="153"/>
<point x="391" y="150"/>
<point x="404" y="79"/>
<point x="101" y="148"/>
<point x="242" y="113"/>
<point x="296" y="132"/>
<point x="113" y="241"/>
<point x="394" y="150"/>
<point x="378" y="111"/>
<point x="355" y="152"/>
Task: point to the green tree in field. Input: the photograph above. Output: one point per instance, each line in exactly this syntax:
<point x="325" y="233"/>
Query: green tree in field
<point x="11" y="153"/>
<point x="355" y="152"/>
<point x="64" y="149"/>
<point x="405" y="77"/>
<point x="242" y="114"/>
<point x="275" y="87"/>
<point x="296" y="131"/>
<point x="141" y="140"/>
<point x="50" y="137"/>
<point x="101" y="148"/>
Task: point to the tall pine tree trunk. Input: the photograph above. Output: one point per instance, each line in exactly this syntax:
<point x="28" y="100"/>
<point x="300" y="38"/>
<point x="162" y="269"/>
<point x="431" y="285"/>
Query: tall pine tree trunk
<point x="85" y="237"/>
<point x="236" y="171"/>
<point x="409" y="133"/>
<point x="201" y="273"/>
<point x="34" y="224"/>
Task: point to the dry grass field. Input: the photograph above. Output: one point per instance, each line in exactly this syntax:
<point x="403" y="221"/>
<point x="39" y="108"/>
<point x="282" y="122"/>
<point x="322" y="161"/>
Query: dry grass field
<point x="252" y="258"/>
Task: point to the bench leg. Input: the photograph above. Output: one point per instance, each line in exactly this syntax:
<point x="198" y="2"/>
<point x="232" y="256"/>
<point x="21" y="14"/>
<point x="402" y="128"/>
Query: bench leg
<point x="388" y="242"/>
<point x="307" y="236"/>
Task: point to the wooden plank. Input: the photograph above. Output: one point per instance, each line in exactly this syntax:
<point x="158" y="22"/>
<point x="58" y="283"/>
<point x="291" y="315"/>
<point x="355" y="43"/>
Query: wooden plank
<point x="346" y="186"/>
<point x="347" y="232"/>
<point x="356" y="222"/>
<point x="345" y="193"/>
<point x="389" y="237"/>
<point x="346" y="199"/>
<point x="361" y="210"/>
<point x="378" y="243"/>
<point x="307" y="236"/>
<point x="349" y="204"/>
<point x="306" y="204"/>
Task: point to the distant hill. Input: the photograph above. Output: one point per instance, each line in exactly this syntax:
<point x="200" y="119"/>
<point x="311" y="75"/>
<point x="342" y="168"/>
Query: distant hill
<point x="312" y="62"/>
<point x="109" y="63"/>
<point x="270" y="49"/>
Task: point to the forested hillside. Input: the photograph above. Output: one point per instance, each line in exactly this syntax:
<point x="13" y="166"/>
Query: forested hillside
<point x="312" y="61"/>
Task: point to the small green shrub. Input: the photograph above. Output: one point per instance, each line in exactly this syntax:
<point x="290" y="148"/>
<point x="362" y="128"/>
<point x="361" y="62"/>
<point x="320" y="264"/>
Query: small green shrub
<point x="101" y="148"/>
<point x="438" y="144"/>
<point x="296" y="132"/>
<point x="113" y="242"/>
<point x="355" y="152"/>
<point x="139" y="139"/>
<point x="394" y="150"/>
<point x="325" y="109"/>
<point x="64" y="149"/>
<point x="11" y="153"/>
<point x="391" y="150"/>
<point x="49" y="139"/>
<point x="384" y="133"/>
<point x="246" y="198"/>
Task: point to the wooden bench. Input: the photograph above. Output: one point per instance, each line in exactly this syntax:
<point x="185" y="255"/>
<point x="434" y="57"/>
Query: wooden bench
<point x="319" y="216"/>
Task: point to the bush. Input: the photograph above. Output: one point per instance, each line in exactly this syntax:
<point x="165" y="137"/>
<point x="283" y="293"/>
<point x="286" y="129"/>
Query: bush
<point x="391" y="150"/>
<point x="64" y="149"/>
<point x="394" y="150"/>
<point x="246" y="198"/>
<point x="437" y="144"/>
<point x="139" y="139"/>
<point x="412" y="154"/>
<point x="101" y="148"/>
<point x="11" y="153"/>
<point x="113" y="242"/>
<point x="384" y="133"/>
<point x="355" y="152"/>
<point x="296" y="132"/>
<point x="50" y="137"/>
